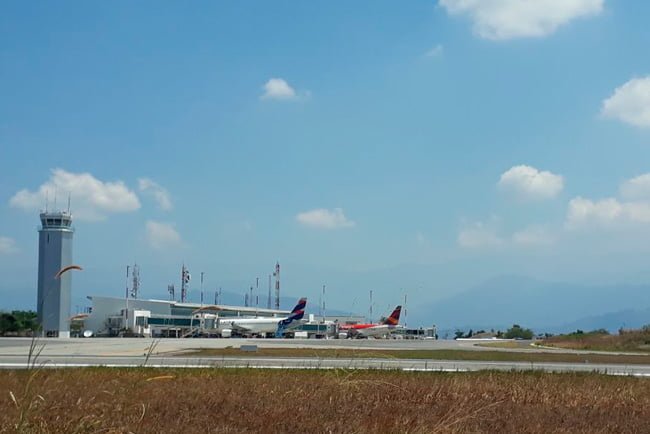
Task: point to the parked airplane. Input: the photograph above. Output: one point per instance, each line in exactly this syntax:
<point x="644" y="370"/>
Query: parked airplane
<point x="277" y="325"/>
<point x="385" y="327"/>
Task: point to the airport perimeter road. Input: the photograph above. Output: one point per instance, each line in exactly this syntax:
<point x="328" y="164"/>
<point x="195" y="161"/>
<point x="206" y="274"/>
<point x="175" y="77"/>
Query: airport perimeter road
<point x="20" y="362"/>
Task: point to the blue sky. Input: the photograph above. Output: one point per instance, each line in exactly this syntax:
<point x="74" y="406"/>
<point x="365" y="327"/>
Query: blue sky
<point x="416" y="146"/>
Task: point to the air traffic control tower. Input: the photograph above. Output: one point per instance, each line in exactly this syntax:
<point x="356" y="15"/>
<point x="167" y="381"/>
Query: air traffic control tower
<point x="54" y="253"/>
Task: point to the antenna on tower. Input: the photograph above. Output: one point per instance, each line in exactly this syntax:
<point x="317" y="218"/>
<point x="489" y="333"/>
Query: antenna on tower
<point x="68" y="202"/>
<point x="55" y="198"/>
<point x="277" y="285"/>
<point x="47" y="199"/>
<point x="268" y="302"/>
<point x="135" y="287"/>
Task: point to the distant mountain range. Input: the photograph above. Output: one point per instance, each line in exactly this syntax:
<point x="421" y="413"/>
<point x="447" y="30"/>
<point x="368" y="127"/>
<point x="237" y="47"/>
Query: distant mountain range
<point x="544" y="306"/>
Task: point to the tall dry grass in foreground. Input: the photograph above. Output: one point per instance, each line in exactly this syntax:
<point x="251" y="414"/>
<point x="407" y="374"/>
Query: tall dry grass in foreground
<point x="269" y="401"/>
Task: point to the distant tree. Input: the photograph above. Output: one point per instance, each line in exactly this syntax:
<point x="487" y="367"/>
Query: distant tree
<point x="517" y="332"/>
<point x="18" y="321"/>
<point x="27" y="320"/>
<point x="469" y="334"/>
<point x="8" y="323"/>
<point x="458" y="334"/>
<point x="599" y="332"/>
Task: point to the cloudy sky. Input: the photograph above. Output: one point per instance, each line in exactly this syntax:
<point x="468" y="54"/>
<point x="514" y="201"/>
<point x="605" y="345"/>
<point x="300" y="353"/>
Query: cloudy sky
<point x="482" y="137"/>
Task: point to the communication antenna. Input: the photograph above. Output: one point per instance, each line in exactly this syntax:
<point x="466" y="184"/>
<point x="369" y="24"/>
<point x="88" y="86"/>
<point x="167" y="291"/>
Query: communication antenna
<point x="277" y="285"/>
<point x="323" y="302"/>
<point x="55" y="198"/>
<point x="135" y="287"/>
<point x="68" y="203"/>
<point x="47" y="199"/>
<point x="268" y="302"/>
<point x="170" y="289"/>
<point x="370" y="306"/>
<point x="185" y="280"/>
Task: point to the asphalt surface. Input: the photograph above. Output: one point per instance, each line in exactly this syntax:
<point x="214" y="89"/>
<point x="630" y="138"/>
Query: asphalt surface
<point x="125" y="352"/>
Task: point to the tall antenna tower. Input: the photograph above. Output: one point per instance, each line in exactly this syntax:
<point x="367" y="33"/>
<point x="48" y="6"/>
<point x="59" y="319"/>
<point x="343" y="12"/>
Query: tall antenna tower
<point x="135" y="286"/>
<point x="277" y="285"/>
<point x="370" y="305"/>
<point x="185" y="280"/>
<point x="268" y="302"/>
<point x="171" y="290"/>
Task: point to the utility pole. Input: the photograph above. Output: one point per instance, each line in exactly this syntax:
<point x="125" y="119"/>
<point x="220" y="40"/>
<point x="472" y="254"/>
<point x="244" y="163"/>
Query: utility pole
<point x="404" y="309"/>
<point x="126" y="309"/>
<point x="202" y="288"/>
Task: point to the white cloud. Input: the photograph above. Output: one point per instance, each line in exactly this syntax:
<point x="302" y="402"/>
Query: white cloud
<point x="479" y="235"/>
<point x="7" y="246"/>
<point x="609" y="211"/>
<point x="636" y="188"/>
<point x="324" y="219"/>
<point x="529" y="183"/>
<point x="278" y="88"/>
<point x="435" y="51"/>
<point x="147" y="186"/>
<point x="91" y="198"/>
<point x="508" y="19"/>
<point x="630" y="103"/>
<point x="533" y="236"/>
<point x="162" y="235"/>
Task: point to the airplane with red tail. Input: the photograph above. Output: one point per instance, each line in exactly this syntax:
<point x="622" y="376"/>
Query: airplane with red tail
<point x="382" y="328"/>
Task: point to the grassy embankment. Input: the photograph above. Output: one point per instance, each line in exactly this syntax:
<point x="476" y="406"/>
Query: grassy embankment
<point x="140" y="400"/>
<point x="625" y="340"/>
<point x="485" y="355"/>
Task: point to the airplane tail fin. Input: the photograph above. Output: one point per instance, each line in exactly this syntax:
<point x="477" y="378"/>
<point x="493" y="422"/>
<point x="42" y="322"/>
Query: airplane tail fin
<point x="297" y="313"/>
<point x="393" y="319"/>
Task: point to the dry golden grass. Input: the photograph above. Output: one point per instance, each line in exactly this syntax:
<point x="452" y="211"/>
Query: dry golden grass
<point x="102" y="400"/>
<point x="626" y="340"/>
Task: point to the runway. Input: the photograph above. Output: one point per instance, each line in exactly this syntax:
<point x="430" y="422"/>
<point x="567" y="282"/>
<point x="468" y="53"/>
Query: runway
<point x="121" y="352"/>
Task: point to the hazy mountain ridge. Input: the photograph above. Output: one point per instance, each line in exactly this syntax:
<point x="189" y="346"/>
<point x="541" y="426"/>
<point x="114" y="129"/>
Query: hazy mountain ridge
<point x="505" y="300"/>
